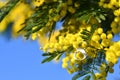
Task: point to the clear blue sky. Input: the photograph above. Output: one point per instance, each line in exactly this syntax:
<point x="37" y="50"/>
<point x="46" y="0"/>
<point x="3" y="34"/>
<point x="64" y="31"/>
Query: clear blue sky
<point x="21" y="60"/>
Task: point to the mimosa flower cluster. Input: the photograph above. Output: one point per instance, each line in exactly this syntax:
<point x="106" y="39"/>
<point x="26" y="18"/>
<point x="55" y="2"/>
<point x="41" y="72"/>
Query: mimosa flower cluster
<point x="85" y="40"/>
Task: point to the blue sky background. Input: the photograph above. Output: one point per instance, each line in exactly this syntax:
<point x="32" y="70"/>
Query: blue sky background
<point x="21" y="60"/>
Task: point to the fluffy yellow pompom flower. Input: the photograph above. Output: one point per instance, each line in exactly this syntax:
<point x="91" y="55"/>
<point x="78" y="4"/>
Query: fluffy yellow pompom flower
<point x="66" y="59"/>
<point x="34" y="36"/>
<point x="103" y="36"/>
<point x="111" y="54"/>
<point x="3" y="25"/>
<point x="100" y="30"/>
<point x="70" y="71"/>
<point x="109" y="36"/>
<point x="95" y="37"/>
<point x="79" y="55"/>
<point x="98" y="75"/>
<point x="64" y="65"/>
<point x="111" y="70"/>
<point x="117" y="12"/>
<point x="118" y="53"/>
<point x="37" y="2"/>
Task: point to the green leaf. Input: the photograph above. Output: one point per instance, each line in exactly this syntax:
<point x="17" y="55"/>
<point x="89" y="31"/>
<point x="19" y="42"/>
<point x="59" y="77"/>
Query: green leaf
<point x="102" y="17"/>
<point x="85" y="17"/>
<point x="6" y="9"/>
<point x="37" y="29"/>
<point x="48" y="59"/>
<point x="94" y="26"/>
<point x="87" y="77"/>
<point x="46" y="54"/>
<point x="52" y="29"/>
<point x="93" y="75"/>
<point x="75" y="77"/>
<point x="28" y="34"/>
<point x="98" y="19"/>
<point x="58" y="57"/>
